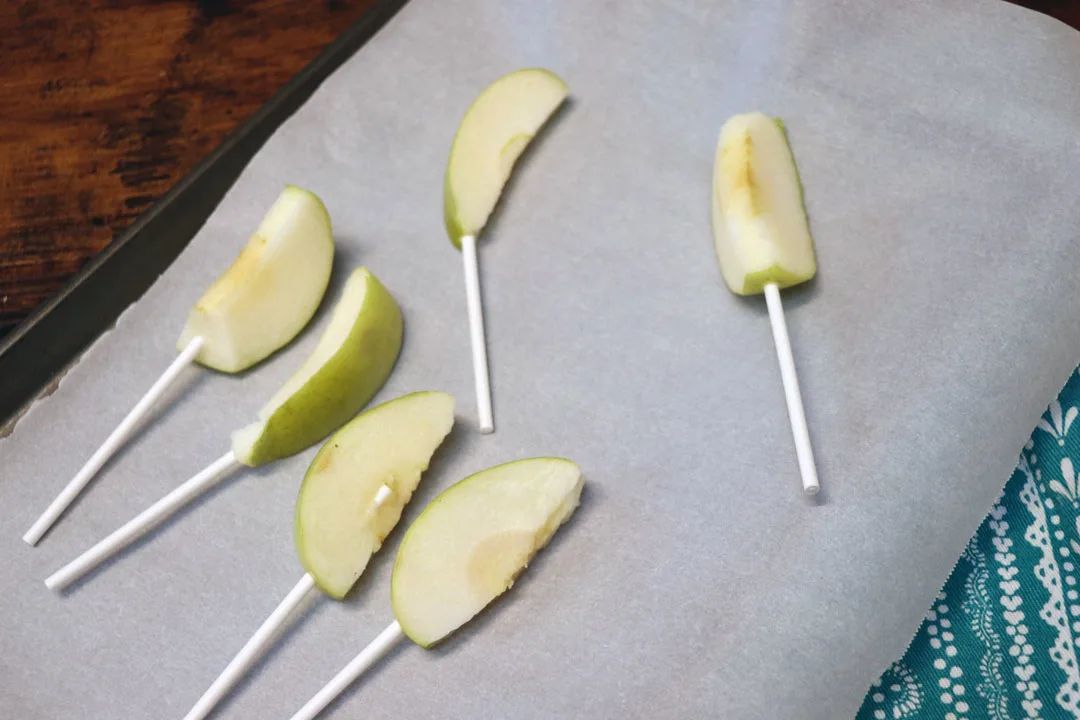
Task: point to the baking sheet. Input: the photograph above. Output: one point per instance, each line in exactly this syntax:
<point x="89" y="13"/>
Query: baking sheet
<point x="936" y="141"/>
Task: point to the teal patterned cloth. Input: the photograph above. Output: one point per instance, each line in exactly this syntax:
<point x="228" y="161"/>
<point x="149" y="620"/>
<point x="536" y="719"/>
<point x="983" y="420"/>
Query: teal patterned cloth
<point x="1000" y="640"/>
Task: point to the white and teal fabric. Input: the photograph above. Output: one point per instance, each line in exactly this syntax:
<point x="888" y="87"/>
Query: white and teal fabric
<point x="1000" y="640"/>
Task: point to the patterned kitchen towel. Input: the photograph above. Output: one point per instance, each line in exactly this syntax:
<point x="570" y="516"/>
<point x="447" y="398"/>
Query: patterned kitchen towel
<point x="1000" y="639"/>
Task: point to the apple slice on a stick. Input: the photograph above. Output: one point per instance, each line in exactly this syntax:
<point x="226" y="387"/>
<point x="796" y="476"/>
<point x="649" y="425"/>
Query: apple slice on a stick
<point x="349" y="364"/>
<point x="465" y="549"/>
<point x="351" y="498"/>
<point x="495" y="130"/>
<point x="256" y="307"/>
<point x="763" y="242"/>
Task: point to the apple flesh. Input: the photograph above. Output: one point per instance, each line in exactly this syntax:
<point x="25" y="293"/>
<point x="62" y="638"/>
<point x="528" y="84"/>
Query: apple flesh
<point x="759" y="222"/>
<point x="339" y="525"/>
<point x="495" y="130"/>
<point x="349" y="364"/>
<point x="474" y="539"/>
<point x="271" y="291"/>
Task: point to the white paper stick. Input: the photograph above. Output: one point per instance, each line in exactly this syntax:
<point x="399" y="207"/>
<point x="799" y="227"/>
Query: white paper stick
<point x="381" y="496"/>
<point x="114" y="442"/>
<point x="144" y="522"/>
<point x="476" y="335"/>
<point x="386" y="640"/>
<point x="260" y="641"/>
<point x="252" y="651"/>
<point x="797" y="415"/>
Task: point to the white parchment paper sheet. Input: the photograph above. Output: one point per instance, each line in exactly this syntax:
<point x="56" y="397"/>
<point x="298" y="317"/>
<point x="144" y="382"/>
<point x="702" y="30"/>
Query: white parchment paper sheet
<point x="938" y="145"/>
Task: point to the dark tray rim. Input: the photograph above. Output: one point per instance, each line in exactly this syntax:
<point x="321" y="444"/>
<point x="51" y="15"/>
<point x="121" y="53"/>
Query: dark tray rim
<point x="38" y="351"/>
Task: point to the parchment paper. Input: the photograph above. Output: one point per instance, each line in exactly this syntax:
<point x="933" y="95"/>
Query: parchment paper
<point x="937" y="143"/>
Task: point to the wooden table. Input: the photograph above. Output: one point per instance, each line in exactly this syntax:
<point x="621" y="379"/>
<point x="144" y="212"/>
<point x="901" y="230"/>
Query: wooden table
<point x="108" y="103"/>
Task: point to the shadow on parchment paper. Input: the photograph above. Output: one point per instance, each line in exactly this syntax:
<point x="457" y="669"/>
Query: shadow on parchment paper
<point x="521" y="166"/>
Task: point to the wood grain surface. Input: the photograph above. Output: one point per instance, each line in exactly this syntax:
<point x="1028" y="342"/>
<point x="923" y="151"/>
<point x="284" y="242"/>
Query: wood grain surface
<point x="107" y="103"/>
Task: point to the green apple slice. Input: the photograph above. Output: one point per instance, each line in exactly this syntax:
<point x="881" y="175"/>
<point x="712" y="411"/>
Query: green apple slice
<point x="339" y="524"/>
<point x="271" y="291"/>
<point x="474" y="539"/>
<point x="759" y="222"/>
<point x="495" y="130"/>
<point x="349" y="364"/>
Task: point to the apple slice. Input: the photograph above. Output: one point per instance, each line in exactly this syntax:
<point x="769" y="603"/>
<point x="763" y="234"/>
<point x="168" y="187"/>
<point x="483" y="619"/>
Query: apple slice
<point x="351" y="361"/>
<point x="759" y="223"/>
<point x="339" y="524"/>
<point x="492" y="135"/>
<point x="763" y="242"/>
<point x="474" y="539"/>
<point x="271" y="291"/>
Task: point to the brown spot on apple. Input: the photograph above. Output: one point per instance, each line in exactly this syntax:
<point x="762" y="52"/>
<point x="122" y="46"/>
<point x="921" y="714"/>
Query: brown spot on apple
<point x="324" y="460"/>
<point x="237" y="275"/>
<point x="497" y="560"/>
<point x="744" y="179"/>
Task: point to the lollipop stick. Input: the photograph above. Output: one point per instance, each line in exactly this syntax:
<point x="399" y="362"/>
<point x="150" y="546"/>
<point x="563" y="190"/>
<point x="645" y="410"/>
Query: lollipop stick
<point x="476" y="334"/>
<point x="386" y="640"/>
<point x="144" y="522"/>
<point x="252" y="651"/>
<point x="260" y="641"/>
<point x="114" y="442"/>
<point x="803" y="449"/>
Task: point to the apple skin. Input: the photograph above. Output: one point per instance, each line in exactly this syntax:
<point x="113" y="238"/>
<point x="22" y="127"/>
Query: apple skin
<point x="454" y="227"/>
<point x="469" y="545"/>
<point x="338" y="389"/>
<point x="503" y="153"/>
<point x="336" y="527"/>
<point x="760" y="229"/>
<point x="272" y="290"/>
